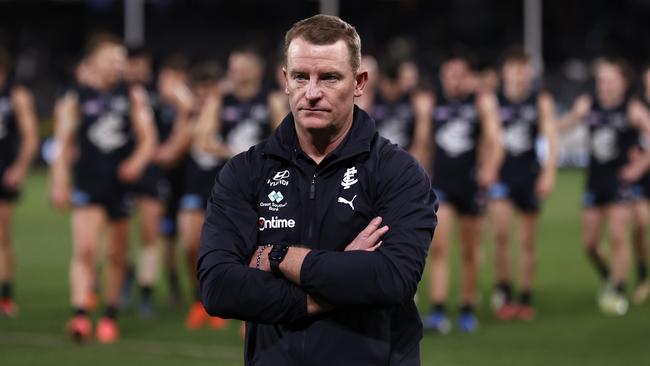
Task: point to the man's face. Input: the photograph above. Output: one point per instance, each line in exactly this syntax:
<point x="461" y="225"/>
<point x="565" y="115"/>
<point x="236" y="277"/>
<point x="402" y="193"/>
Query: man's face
<point x="454" y="75"/>
<point x="517" y="72"/>
<point x="138" y="69"/>
<point x="321" y="84"/>
<point x="108" y="61"/>
<point x="244" y="68"/>
<point x="610" y="84"/>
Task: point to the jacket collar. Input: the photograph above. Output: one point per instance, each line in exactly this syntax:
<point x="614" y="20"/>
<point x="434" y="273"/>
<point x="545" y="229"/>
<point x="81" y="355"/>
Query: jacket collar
<point x="284" y="141"/>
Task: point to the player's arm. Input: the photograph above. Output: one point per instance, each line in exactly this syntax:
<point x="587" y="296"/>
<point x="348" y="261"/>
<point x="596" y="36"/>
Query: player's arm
<point x="145" y="131"/>
<point x="66" y="123"/>
<point x="639" y="162"/>
<point x="278" y="107"/>
<point x="207" y="128"/>
<point x="229" y="287"/>
<point x="388" y="275"/>
<point x="28" y="130"/>
<point x="547" y="128"/>
<point x="180" y="138"/>
<point x="576" y="114"/>
<point x="490" y="147"/>
<point x="422" y="103"/>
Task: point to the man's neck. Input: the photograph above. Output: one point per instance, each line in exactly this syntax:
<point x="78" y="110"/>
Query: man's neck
<point x="516" y="93"/>
<point x="612" y="102"/>
<point x="99" y="83"/>
<point x="246" y="91"/>
<point x="317" y="144"/>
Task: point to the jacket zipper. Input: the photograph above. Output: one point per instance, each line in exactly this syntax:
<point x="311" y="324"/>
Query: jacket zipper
<point x="312" y="188"/>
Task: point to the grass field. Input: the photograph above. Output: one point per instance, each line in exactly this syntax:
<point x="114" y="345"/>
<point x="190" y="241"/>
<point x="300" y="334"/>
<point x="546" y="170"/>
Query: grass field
<point x="569" y="329"/>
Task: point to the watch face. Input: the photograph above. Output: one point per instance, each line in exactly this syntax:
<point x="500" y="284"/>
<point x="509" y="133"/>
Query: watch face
<point x="278" y="252"/>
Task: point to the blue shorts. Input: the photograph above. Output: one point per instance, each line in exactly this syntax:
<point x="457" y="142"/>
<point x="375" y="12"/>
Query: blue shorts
<point x="469" y="201"/>
<point x="117" y="203"/>
<point x="604" y="197"/>
<point x="522" y="195"/>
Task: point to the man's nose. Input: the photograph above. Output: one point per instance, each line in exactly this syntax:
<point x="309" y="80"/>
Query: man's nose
<point x="313" y="91"/>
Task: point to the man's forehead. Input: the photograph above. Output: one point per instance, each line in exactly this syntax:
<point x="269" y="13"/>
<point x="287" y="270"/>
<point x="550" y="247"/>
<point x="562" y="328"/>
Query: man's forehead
<point x="301" y="53"/>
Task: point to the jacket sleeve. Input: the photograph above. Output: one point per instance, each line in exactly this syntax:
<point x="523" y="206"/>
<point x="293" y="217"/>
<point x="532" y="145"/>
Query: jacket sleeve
<point x="389" y="275"/>
<point x="229" y="288"/>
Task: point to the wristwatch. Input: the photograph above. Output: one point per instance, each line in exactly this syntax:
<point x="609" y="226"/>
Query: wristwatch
<point x="276" y="255"/>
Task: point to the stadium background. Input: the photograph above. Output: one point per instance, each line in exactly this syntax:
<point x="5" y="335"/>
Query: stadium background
<point x="45" y="37"/>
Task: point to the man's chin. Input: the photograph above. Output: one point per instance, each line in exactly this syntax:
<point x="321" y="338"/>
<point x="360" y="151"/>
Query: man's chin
<point x="314" y="123"/>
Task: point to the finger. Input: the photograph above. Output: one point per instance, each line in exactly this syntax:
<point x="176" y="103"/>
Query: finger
<point x="372" y="226"/>
<point x="375" y="247"/>
<point x="374" y="237"/>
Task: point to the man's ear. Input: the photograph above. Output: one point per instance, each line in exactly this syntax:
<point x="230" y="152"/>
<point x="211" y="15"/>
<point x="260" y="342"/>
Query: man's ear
<point x="286" y="82"/>
<point x="361" y="81"/>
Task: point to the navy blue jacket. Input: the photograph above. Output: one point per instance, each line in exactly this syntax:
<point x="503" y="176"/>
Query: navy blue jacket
<point x="274" y="193"/>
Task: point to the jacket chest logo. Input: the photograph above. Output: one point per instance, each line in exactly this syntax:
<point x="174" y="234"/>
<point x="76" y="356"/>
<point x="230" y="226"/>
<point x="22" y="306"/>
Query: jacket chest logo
<point x="276" y="198"/>
<point x="350" y="202"/>
<point x="275" y="223"/>
<point x="280" y="178"/>
<point x="348" y="178"/>
<point x="348" y="181"/>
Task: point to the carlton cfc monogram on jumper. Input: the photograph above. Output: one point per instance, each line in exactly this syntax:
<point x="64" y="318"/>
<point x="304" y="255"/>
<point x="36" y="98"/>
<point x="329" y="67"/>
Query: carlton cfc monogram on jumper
<point x="348" y="178"/>
<point x="275" y="223"/>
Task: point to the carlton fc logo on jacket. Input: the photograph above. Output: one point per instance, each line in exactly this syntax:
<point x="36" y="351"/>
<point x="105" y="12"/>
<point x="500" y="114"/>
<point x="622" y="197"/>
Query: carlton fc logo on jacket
<point x="348" y="178"/>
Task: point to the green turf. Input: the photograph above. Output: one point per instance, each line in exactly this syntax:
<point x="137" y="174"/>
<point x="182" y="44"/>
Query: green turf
<point x="569" y="329"/>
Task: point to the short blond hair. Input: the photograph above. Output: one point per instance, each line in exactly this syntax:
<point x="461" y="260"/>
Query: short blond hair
<point x="325" y="30"/>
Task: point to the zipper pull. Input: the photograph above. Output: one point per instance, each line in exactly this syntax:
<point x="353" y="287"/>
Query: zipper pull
<point x="312" y="188"/>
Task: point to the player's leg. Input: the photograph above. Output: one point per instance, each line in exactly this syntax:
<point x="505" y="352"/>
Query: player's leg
<point x="7" y="304"/>
<point x="150" y="210"/>
<point x="639" y="240"/>
<point x="439" y="270"/>
<point x="528" y="255"/>
<point x="117" y="262"/>
<point x="189" y="224"/>
<point x="470" y="240"/>
<point x="618" y="217"/>
<point x="501" y="214"/>
<point x="592" y="224"/>
<point x="169" y="240"/>
<point x="87" y="224"/>
<point x="169" y="229"/>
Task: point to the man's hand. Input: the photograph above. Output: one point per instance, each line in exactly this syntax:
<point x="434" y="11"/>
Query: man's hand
<point x="422" y="102"/>
<point x="544" y="185"/>
<point x="486" y="177"/>
<point x="368" y="238"/>
<point x="582" y="106"/>
<point x="129" y="171"/>
<point x="634" y="169"/>
<point x="14" y="176"/>
<point x="60" y="196"/>
<point x="165" y="156"/>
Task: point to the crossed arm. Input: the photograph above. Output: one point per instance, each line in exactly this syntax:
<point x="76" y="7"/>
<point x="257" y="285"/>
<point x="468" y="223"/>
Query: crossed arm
<point x="367" y="276"/>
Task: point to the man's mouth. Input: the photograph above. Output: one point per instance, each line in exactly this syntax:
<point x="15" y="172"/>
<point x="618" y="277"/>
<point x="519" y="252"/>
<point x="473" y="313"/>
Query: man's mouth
<point x="306" y="109"/>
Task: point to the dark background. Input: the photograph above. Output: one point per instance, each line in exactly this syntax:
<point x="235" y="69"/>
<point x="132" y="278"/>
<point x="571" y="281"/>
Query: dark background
<point x="46" y="37"/>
